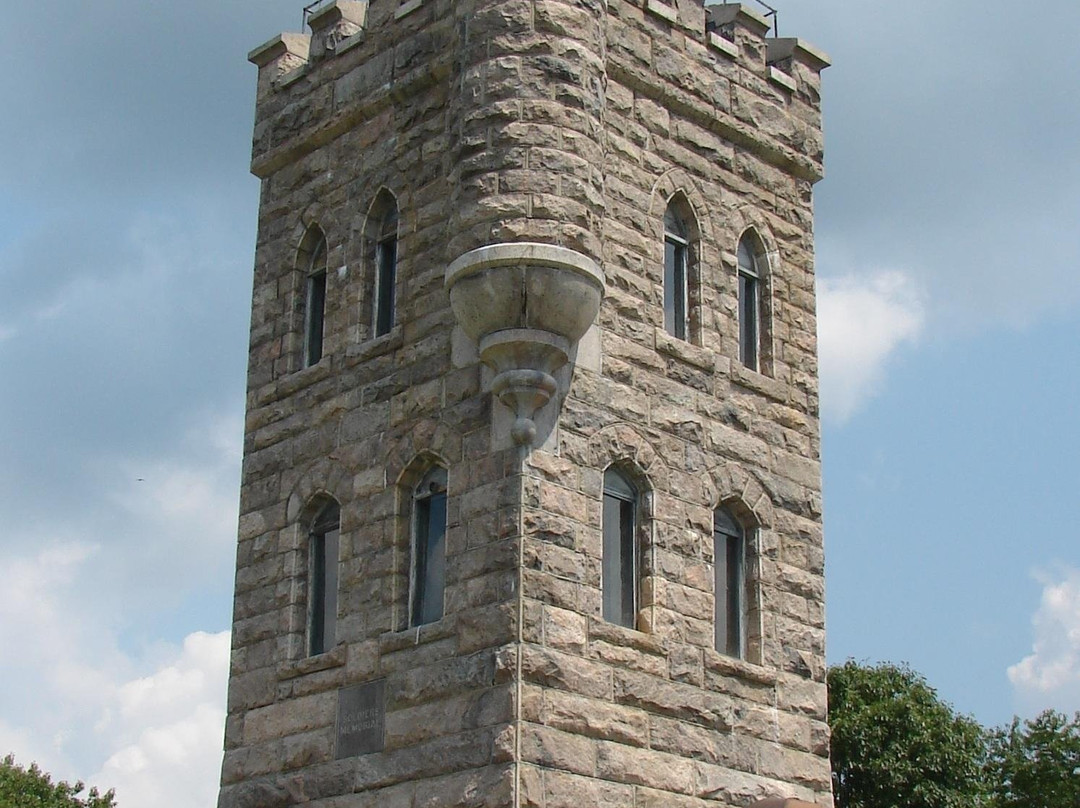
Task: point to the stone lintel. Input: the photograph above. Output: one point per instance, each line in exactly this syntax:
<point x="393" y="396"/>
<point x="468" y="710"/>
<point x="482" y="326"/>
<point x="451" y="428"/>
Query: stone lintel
<point x="290" y="44"/>
<point x="746" y="17"/>
<point x="780" y="802"/>
<point x="783" y="48"/>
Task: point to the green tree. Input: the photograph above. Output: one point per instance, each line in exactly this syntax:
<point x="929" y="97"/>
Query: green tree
<point x="1035" y="764"/>
<point x="896" y="744"/>
<point x="33" y="788"/>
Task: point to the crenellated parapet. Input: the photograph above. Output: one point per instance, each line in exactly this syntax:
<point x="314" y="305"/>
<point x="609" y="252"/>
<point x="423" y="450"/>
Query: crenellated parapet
<point x="537" y="72"/>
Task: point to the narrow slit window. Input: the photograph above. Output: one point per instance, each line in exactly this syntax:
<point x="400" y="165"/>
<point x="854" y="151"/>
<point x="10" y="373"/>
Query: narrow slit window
<point x="386" y="255"/>
<point x="429" y="549"/>
<point x="323" y="550"/>
<point x="619" y="566"/>
<point x="315" y="305"/>
<point x="749" y="302"/>
<point x="730" y="581"/>
<point x="676" y="251"/>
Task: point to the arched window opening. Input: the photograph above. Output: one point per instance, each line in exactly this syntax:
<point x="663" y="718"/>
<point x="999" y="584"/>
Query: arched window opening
<point x="730" y="582"/>
<point x="428" y="579"/>
<point x="620" y="562"/>
<point x="323" y="554"/>
<point x="751" y="262"/>
<point x="676" y="262"/>
<point x="315" y="300"/>
<point x="383" y="238"/>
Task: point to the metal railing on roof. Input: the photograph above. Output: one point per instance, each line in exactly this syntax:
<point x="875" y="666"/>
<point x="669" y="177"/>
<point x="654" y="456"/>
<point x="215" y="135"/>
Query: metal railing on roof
<point x="308" y="10"/>
<point x="769" y="12"/>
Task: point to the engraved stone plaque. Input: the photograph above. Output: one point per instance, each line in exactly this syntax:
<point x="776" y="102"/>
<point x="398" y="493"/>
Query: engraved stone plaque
<point x="360" y="719"/>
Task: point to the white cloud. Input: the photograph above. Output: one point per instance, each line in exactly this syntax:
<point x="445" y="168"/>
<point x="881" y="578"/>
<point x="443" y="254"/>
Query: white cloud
<point x="100" y="682"/>
<point x="187" y="501"/>
<point x="75" y="703"/>
<point x="862" y="321"/>
<point x="1050" y="675"/>
<point x="166" y="731"/>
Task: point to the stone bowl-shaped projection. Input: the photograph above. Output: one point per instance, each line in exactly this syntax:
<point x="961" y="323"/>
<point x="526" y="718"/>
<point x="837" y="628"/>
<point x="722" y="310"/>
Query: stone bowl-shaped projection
<point x="525" y="285"/>
<point x="526" y="305"/>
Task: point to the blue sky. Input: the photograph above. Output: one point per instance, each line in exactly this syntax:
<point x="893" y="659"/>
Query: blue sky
<point x="949" y="285"/>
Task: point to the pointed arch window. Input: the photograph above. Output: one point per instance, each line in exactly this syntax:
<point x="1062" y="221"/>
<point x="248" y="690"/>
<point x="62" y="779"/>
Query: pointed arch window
<point x="751" y="263"/>
<point x="676" y="263"/>
<point x="323" y="554"/>
<point x="731" y="582"/>
<point x="428" y="574"/>
<point x="620" y="561"/>
<point x="383" y="238"/>
<point x="315" y="298"/>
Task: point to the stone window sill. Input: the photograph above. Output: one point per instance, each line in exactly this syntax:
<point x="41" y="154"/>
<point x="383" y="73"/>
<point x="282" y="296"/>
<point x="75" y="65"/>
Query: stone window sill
<point x="702" y="358"/>
<point x="416" y="635"/>
<point x="739" y="668"/>
<point x="759" y="382"/>
<point x="362" y="351"/>
<point x="334" y="658"/>
<point x="614" y="634"/>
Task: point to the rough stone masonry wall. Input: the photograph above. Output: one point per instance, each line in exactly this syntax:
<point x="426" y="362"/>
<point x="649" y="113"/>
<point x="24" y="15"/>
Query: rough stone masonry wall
<point x="360" y="426"/>
<point x="657" y="717"/>
<point x="522" y="668"/>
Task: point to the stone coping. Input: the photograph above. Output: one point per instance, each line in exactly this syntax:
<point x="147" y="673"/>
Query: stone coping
<point x="354" y="11"/>
<point x="296" y="44"/>
<point x="524" y="253"/>
<point x="730" y="12"/>
<point x="792" y="47"/>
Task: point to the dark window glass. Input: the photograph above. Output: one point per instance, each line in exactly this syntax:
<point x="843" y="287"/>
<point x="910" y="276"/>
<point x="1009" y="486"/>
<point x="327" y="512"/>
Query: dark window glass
<point x="323" y="580"/>
<point x="619" y="568"/>
<point x="675" y="255"/>
<point x="749" y="303"/>
<point x="386" y="270"/>
<point x="729" y="560"/>
<point x="315" y="305"/>
<point x="429" y="548"/>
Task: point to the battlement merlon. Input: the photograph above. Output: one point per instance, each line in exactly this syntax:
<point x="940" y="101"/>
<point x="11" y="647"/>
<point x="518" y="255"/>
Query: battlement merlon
<point x="284" y="54"/>
<point x="728" y="27"/>
<point x="729" y="17"/>
<point x="334" y="23"/>
<point x="786" y="49"/>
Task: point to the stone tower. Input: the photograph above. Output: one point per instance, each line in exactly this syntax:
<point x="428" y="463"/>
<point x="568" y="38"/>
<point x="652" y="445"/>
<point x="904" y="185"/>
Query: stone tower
<point x="531" y="507"/>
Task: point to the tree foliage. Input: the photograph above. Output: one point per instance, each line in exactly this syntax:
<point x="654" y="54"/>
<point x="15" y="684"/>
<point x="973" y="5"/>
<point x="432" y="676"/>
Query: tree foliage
<point x="1035" y="763"/>
<point x="33" y="788"/>
<point x="896" y="744"/>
